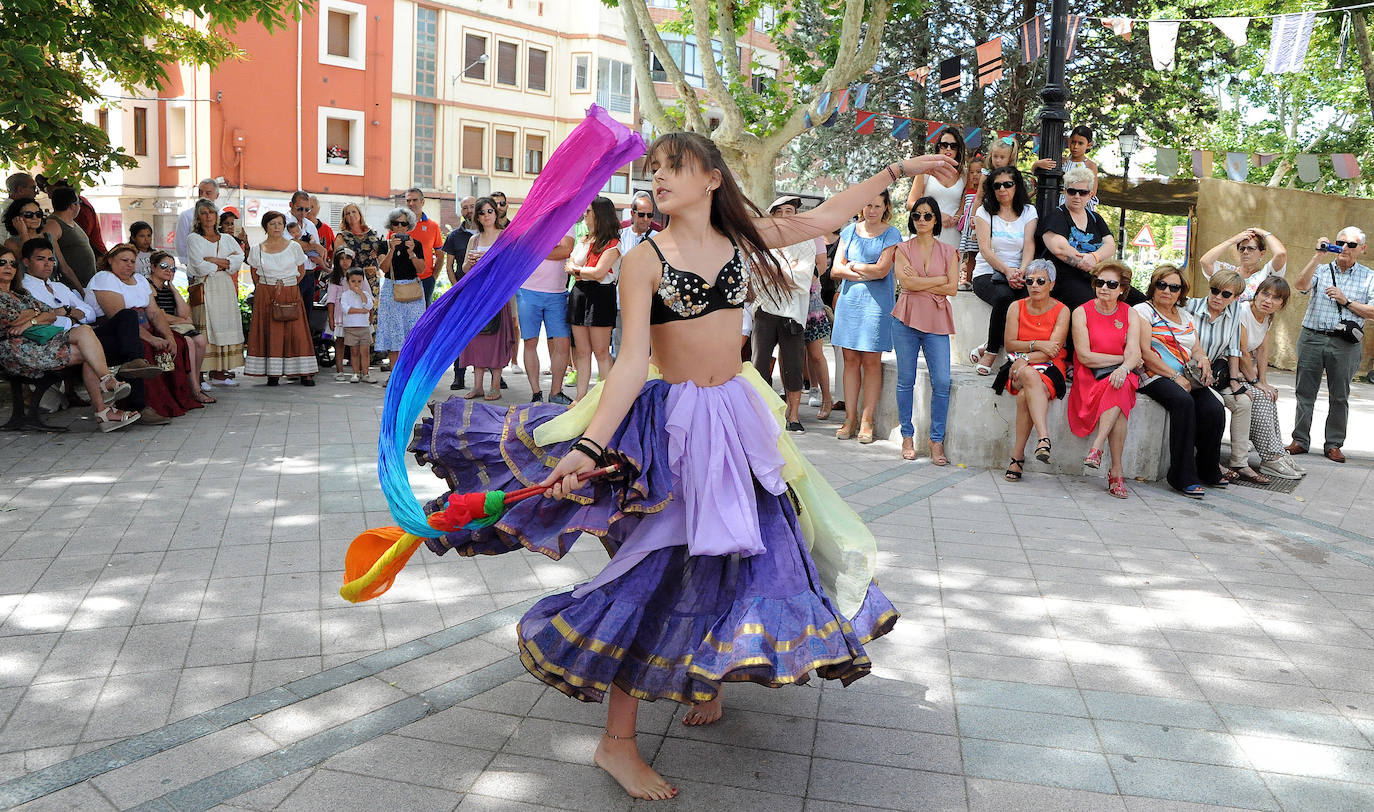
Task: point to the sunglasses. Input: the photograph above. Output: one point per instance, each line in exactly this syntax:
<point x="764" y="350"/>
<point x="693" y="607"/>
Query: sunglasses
<point x="1109" y="284"/>
<point x="300" y="208"/>
<point x="1245" y="249"/>
<point x="1077" y="192"/>
<point x="1038" y="280"/>
<point x="397" y="224"/>
<point x="1225" y="294"/>
<point x="948" y="145"/>
<point x="166" y="266"/>
<point x="923" y="215"/>
<point x="9" y="263"/>
<point x="1345" y="244"/>
<point x="645" y="214"/>
<point x="1006" y="184"/>
<point x="31" y="215"/>
<point x="486" y="211"/>
<point x="1168" y="287"/>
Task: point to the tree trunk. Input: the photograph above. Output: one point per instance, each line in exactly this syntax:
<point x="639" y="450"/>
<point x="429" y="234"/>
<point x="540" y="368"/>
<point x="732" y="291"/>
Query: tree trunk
<point x="756" y="175"/>
<point x="1366" y="55"/>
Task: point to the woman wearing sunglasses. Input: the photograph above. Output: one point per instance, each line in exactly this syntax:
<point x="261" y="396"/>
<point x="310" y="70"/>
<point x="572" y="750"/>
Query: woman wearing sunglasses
<point x="24" y="220"/>
<point x="950" y="143"/>
<point x="1251" y="246"/>
<point x="1196" y="416"/>
<point x="1106" y="335"/>
<point x="1035" y="339"/>
<point x="1218" y="318"/>
<point x="1076" y="238"/>
<point x="1005" y="225"/>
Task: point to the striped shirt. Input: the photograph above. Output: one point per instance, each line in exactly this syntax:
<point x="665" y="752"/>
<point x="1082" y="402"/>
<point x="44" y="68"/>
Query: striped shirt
<point x="1172" y="340"/>
<point x="1220" y="337"/>
<point x="1322" y="313"/>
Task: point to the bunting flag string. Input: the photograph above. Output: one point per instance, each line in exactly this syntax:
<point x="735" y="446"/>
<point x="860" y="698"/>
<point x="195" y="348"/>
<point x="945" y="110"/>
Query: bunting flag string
<point x="1237" y="165"/>
<point x="1345" y="165"/>
<point x="1075" y="22"/>
<point x="1163" y="40"/>
<point x="901" y="129"/>
<point x="864" y="121"/>
<point x="1121" y="26"/>
<point x="1233" y="28"/>
<point x="860" y="94"/>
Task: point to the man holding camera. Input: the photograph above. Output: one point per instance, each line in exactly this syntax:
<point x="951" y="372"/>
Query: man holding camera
<point x="1332" y="335"/>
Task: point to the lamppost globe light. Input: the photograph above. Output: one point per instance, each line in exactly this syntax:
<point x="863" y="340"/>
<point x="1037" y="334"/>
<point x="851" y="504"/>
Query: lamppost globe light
<point x="481" y="59"/>
<point x="1127" y="142"/>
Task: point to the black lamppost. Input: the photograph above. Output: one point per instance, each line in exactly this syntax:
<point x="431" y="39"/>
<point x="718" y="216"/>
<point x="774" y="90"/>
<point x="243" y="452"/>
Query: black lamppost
<point x="1053" y="115"/>
<point x="1127" y="143"/>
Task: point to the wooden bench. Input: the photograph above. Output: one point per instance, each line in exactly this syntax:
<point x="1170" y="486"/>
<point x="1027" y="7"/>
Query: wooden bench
<point x="30" y="418"/>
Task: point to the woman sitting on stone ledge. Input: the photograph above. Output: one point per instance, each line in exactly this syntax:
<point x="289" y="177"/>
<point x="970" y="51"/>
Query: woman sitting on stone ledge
<point x="1036" y="330"/>
<point x="1106" y="336"/>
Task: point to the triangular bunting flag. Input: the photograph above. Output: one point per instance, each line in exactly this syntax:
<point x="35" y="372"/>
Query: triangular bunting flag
<point x="1163" y="38"/>
<point x="989" y="61"/>
<point x="1166" y="161"/>
<point x="1263" y="158"/>
<point x="1202" y="163"/>
<point x="830" y="122"/>
<point x="1121" y="26"/>
<point x="1288" y="42"/>
<point x="933" y="130"/>
<point x="860" y="94"/>
<point x="973" y="139"/>
<point x="864" y="120"/>
<point x="949" y="77"/>
<point x="1237" y="165"/>
<point x="842" y="104"/>
<point x="1346" y="165"/>
<point x="1233" y="28"/>
<point x="1032" y="39"/>
<point x="1309" y="171"/>
<point x="1075" y="22"/>
<point x="901" y="128"/>
<point x="806" y="121"/>
<point x="919" y="75"/>
<point x="823" y="103"/>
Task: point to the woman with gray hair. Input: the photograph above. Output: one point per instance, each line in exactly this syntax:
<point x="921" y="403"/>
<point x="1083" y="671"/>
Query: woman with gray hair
<point x="213" y="263"/>
<point x="1075" y="239"/>
<point x="402" y="300"/>
<point x="1036" y="332"/>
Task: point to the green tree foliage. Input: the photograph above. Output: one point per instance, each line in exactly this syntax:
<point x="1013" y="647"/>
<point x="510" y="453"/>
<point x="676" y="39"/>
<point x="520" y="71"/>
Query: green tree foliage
<point x="54" y="55"/>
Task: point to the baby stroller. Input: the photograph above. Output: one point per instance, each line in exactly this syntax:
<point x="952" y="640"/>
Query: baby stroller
<point x="318" y="317"/>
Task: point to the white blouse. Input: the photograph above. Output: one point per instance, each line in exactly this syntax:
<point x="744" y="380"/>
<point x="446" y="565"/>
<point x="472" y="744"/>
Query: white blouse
<point x="198" y="248"/>
<point x="137" y="293"/>
<point x="278" y="267"/>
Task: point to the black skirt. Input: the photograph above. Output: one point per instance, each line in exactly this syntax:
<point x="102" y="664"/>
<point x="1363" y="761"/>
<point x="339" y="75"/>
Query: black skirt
<point x="592" y="304"/>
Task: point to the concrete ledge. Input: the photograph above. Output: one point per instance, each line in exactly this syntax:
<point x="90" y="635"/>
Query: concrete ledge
<point x="971" y="316"/>
<point x="978" y="431"/>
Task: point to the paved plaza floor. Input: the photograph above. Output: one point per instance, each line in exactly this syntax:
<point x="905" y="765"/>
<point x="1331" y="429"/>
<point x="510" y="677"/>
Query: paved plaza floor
<point x="171" y="637"/>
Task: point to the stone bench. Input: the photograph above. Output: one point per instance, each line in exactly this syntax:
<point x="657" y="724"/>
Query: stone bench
<point x="971" y="316"/>
<point x="978" y="431"/>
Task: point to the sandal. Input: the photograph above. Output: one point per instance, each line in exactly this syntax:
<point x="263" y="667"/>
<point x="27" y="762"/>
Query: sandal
<point x="1252" y="476"/>
<point x="824" y="413"/>
<point x="1014" y="476"/>
<point x="111" y="419"/>
<point x="865" y="434"/>
<point x="976" y="354"/>
<point x="119" y="391"/>
<point x="937" y="454"/>
<point x="1094" y="458"/>
<point x="845" y="431"/>
<point x="1228" y="474"/>
<point x="908" y="448"/>
<point x="1042" y="449"/>
<point x="204" y="398"/>
<point x="473" y="394"/>
<point x="1116" y="486"/>
<point x="496" y="395"/>
<point x="1194" y="491"/>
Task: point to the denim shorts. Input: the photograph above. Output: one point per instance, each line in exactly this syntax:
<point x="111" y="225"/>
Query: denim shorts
<point x="549" y="309"/>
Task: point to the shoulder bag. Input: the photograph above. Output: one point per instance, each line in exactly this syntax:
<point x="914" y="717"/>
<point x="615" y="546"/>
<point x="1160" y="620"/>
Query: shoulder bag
<point x="1191" y="370"/>
<point x="285" y="311"/>
<point x="1350" y="330"/>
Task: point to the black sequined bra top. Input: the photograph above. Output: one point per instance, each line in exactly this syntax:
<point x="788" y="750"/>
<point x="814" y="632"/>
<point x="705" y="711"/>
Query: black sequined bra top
<point x="683" y="295"/>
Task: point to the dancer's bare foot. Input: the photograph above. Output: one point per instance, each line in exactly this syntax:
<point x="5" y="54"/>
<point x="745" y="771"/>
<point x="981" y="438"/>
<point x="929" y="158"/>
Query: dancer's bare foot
<point x="704" y="713"/>
<point x="620" y="758"/>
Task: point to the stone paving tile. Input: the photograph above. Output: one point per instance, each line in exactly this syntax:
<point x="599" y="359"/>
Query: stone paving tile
<point x="884" y="787"/>
<point x="998" y="796"/>
<point x="1069" y="769"/>
<point x="1200" y="783"/>
<point x="330" y="791"/>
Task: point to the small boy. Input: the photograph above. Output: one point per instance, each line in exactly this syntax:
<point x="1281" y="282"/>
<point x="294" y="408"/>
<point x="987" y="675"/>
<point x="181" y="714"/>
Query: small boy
<point x="356" y="303"/>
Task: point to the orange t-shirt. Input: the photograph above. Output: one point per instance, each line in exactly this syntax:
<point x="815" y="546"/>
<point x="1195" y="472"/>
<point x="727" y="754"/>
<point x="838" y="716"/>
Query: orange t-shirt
<point x="427" y="234"/>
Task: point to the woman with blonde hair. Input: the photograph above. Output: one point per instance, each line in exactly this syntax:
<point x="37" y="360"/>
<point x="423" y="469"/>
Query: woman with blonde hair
<point x="367" y="246"/>
<point x="214" y="260"/>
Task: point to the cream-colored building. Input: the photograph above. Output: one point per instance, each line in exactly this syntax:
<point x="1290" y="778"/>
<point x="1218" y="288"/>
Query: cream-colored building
<point x="483" y="91"/>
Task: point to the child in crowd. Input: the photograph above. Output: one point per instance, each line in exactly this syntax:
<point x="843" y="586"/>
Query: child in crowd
<point x="968" y="241"/>
<point x="1080" y="141"/>
<point x="356" y="304"/>
<point x="337" y="281"/>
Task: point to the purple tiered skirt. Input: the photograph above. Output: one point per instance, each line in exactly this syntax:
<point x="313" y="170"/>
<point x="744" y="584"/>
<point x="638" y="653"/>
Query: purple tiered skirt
<point x="710" y="579"/>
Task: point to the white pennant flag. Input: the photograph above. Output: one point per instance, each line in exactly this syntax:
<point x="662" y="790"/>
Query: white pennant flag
<point x="1309" y="171"/>
<point x="1166" y="161"/>
<point x="1237" y="165"/>
<point x="1288" y="42"/>
<point x="1232" y="27"/>
<point x="1163" y="38"/>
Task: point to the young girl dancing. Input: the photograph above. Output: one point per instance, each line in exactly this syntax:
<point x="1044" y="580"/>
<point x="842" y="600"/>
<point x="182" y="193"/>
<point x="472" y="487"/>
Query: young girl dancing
<point x="710" y="580"/>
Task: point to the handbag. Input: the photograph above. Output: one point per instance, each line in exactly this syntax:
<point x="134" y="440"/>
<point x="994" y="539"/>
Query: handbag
<point x="1350" y="329"/>
<point x="285" y="311"/>
<point x="195" y="294"/>
<point x="42" y="333"/>
<point x="403" y="292"/>
<point x="1192" y="371"/>
<point x="185" y="329"/>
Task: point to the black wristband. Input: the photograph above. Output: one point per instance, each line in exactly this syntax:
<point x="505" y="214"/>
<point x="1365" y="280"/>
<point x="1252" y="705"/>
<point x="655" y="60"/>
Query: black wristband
<point x="588" y="447"/>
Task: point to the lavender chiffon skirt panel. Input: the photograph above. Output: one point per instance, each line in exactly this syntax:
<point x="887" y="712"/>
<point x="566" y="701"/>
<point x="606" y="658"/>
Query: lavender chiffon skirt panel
<point x="662" y="620"/>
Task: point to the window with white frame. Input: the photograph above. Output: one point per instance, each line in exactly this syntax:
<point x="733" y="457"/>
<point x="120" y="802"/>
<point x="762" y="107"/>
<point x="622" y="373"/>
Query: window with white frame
<point x="343" y="34"/>
<point x="178" y="120"/>
<point x="537" y="69"/>
<point x="426" y="125"/>
<point x="582" y="73"/>
<point x="426" y="51"/>
<point x="685" y="54"/>
<point x="534" y="154"/>
<point x="340" y="141"/>
<point x="503" y="148"/>
<point x="613" y="85"/>
<point x="619" y="184"/>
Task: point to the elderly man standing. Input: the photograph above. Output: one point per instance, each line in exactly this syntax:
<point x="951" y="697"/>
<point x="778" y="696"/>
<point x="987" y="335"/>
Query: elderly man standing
<point x="207" y="189"/>
<point x="426" y="232"/>
<point x="1341" y="291"/>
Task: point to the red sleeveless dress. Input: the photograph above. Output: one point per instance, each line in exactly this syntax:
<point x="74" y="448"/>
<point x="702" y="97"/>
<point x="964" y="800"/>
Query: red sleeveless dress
<point x="1090" y="397"/>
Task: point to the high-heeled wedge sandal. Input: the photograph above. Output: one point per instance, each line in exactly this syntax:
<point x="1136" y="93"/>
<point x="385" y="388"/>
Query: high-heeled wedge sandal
<point x="1014" y="476"/>
<point x="845" y="431"/>
<point x="1042" y="449"/>
<point x="865" y="434"/>
<point x="1094" y="458"/>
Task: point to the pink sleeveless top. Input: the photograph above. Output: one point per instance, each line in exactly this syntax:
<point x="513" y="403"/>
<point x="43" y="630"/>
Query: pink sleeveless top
<point x="923" y="310"/>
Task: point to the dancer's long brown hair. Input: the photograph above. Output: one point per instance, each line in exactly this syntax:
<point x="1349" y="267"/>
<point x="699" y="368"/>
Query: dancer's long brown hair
<point x="732" y="214"/>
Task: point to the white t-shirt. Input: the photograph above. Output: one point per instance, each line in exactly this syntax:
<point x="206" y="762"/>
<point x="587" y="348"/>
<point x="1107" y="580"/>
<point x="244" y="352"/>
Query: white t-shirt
<point x="56" y="294"/>
<point x="1008" y="239"/>
<point x="350" y="300"/>
<point x="1255" y="331"/>
<point x="138" y="293"/>
<point x="1252" y="282"/>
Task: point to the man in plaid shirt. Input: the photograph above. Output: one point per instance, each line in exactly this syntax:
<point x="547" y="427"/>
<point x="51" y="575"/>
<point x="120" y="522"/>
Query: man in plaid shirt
<point x="1341" y="289"/>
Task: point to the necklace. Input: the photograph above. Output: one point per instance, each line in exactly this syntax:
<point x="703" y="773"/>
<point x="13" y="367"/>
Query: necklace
<point x="1097" y="303"/>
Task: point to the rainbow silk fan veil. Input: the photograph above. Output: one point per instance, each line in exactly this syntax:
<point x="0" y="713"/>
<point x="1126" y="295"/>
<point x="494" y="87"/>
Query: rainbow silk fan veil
<point x="573" y="175"/>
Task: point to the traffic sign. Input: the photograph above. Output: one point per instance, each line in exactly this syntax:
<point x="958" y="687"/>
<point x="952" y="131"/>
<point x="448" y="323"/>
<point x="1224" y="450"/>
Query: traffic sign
<point x="1145" y="239"/>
